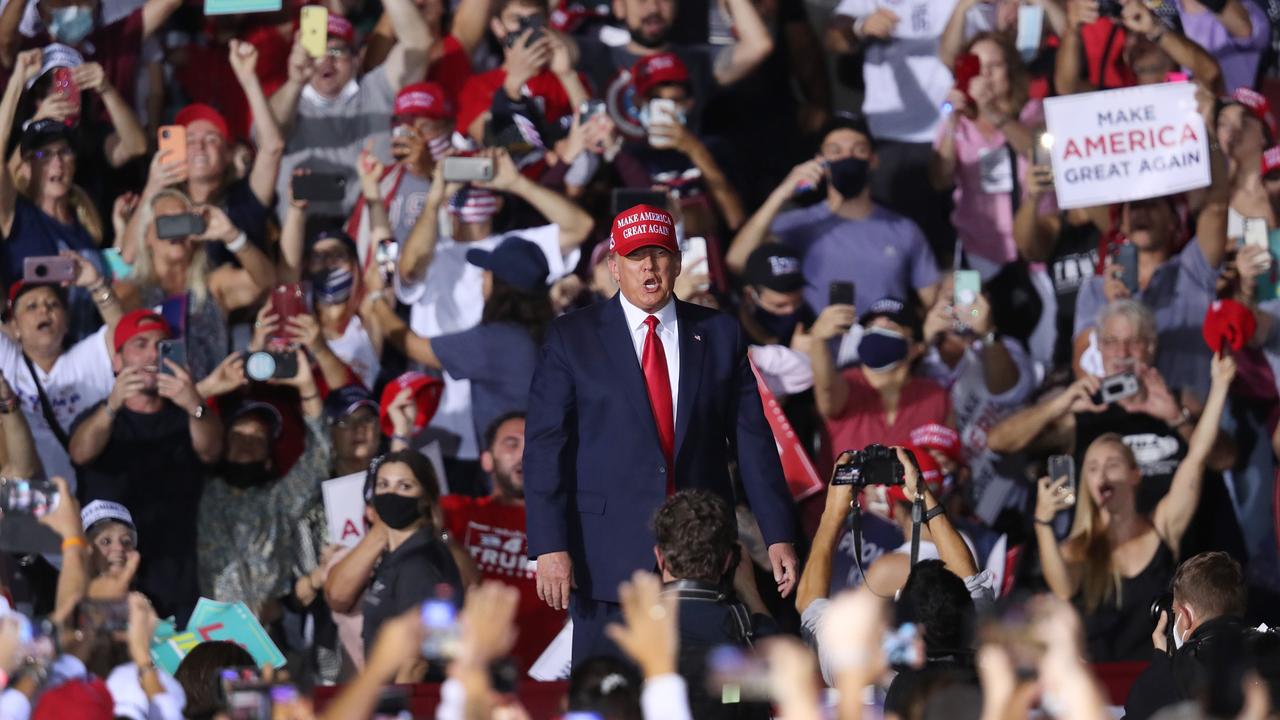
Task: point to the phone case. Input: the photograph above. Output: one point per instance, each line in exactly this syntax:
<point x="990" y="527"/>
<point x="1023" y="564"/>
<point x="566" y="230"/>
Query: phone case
<point x="48" y="269"/>
<point x="840" y="293"/>
<point x="968" y="286"/>
<point x="173" y="143"/>
<point x="319" y="187"/>
<point x="314" y="30"/>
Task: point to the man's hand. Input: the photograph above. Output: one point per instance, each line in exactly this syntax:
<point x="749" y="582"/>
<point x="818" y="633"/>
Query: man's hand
<point x="555" y="577"/>
<point x="1078" y="397"/>
<point x="27" y="65"/>
<point x="1157" y="401"/>
<point x="880" y="24"/>
<point x="911" y="486"/>
<point x="131" y="381"/>
<point x="809" y="173"/>
<point x="440" y="191"/>
<point x="301" y="65"/>
<point x="651" y="634"/>
<point x="505" y="172"/>
<point x="675" y="136"/>
<point x="561" y="63"/>
<point x="227" y="377"/>
<point x="1158" y="639"/>
<point x="524" y="61"/>
<point x="833" y="321"/>
<point x="403" y="412"/>
<point x="65" y="518"/>
<point x="121" y="210"/>
<point x="783" y="558"/>
<point x="178" y="388"/>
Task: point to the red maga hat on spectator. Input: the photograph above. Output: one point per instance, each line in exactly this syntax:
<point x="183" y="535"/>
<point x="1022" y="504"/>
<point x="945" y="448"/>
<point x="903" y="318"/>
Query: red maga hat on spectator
<point x="342" y="29"/>
<point x="200" y="111"/>
<point x="930" y="472"/>
<point x="1271" y="159"/>
<point x="643" y="226"/>
<point x="1257" y="104"/>
<point x="79" y="699"/>
<point x="424" y="99"/>
<point x="426" y="393"/>
<point x="933" y="436"/>
<point x="1228" y="322"/>
<point x="138" y="322"/>
<point x="651" y="71"/>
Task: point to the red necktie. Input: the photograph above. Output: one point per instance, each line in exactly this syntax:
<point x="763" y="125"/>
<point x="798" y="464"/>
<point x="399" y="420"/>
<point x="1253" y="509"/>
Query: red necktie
<point x="654" y="363"/>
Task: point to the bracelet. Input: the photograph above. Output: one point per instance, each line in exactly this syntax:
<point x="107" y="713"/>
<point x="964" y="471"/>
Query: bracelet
<point x="376" y="295"/>
<point x="102" y="299"/>
<point x="402" y="438"/>
<point x="1046" y="523"/>
<point x="1186" y="418"/>
<point x="312" y="396"/>
<point x="238" y="244"/>
<point x="935" y="512"/>
<point x="72" y="542"/>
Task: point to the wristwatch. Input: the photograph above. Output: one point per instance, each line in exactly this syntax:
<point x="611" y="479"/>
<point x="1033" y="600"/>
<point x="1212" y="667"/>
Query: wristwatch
<point x="200" y="411"/>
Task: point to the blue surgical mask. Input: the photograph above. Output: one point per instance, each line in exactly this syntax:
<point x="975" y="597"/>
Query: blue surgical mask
<point x="71" y="24"/>
<point x="882" y="350"/>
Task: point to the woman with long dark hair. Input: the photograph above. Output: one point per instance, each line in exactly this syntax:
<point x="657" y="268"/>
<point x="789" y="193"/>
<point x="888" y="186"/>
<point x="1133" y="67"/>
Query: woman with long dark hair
<point x="497" y="355"/>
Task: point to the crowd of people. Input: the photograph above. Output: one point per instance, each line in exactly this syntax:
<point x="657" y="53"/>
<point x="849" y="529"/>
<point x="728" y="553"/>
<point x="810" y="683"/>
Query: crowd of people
<point x="703" y="353"/>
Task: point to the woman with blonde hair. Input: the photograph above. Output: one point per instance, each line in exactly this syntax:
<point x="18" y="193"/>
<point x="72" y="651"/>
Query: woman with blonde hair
<point x="173" y="273"/>
<point x="1116" y="560"/>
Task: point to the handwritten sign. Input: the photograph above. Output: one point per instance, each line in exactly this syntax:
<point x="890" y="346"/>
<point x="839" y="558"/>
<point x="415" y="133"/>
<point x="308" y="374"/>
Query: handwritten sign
<point x="1128" y="144"/>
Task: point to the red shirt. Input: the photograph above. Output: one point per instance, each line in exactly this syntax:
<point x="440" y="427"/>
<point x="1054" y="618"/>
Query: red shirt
<point x="477" y="95"/>
<point x="494" y="534"/>
<point x="452" y="69"/>
<point x="1104" y="55"/>
<point x="922" y="401"/>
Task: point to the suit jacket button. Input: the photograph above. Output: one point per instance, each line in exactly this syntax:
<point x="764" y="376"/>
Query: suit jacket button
<point x="662" y="470"/>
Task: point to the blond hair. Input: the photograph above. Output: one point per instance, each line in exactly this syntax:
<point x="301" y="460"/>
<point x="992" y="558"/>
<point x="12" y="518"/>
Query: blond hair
<point x="144" y="269"/>
<point x="1101" y="579"/>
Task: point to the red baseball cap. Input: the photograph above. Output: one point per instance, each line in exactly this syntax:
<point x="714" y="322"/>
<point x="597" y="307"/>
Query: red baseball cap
<point x="137" y="322"/>
<point x="933" y="436"/>
<point x="1258" y="105"/>
<point x="1228" y="322"/>
<point x="930" y="472"/>
<point x="1271" y="159"/>
<point x="426" y="394"/>
<point x="651" y="71"/>
<point x="424" y="99"/>
<point x="342" y="29"/>
<point x="200" y="111"/>
<point x="643" y="226"/>
<point x="80" y="699"/>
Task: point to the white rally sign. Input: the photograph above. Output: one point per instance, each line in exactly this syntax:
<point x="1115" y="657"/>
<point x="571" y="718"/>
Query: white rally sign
<point x="1128" y="144"/>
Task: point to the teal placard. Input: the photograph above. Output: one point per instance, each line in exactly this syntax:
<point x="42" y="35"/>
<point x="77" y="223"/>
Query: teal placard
<point x="214" y="620"/>
<point x="229" y="7"/>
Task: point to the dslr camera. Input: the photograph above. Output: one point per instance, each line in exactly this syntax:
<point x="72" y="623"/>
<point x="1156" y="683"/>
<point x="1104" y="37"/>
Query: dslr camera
<point x="873" y="465"/>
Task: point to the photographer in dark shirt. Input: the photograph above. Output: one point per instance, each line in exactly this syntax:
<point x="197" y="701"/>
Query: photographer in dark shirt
<point x="697" y="552"/>
<point x="1208" y="635"/>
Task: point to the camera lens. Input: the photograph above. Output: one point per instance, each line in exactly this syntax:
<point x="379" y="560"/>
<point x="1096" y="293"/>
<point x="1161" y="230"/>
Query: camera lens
<point x="260" y="366"/>
<point x="42" y="270"/>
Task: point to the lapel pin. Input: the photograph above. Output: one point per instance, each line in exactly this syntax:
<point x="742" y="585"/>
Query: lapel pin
<point x="697" y="337"/>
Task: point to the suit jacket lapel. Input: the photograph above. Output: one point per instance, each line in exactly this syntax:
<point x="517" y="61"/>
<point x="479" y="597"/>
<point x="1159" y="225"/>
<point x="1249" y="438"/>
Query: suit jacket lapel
<point x="692" y="347"/>
<point x="618" y="345"/>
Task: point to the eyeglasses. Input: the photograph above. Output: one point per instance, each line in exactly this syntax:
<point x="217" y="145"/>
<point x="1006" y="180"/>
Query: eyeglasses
<point x="338" y="53"/>
<point x="356" y="422"/>
<point x="64" y="153"/>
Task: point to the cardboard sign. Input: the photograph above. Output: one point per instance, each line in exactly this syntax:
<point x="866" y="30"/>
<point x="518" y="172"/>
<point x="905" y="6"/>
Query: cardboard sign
<point x="797" y="468"/>
<point x="229" y="7"/>
<point x="214" y="620"/>
<point x="1128" y="144"/>
<point x="344" y="508"/>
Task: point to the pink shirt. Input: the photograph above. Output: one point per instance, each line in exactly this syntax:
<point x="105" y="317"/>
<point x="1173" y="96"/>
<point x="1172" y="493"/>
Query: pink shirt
<point x="923" y="401"/>
<point x="983" y="215"/>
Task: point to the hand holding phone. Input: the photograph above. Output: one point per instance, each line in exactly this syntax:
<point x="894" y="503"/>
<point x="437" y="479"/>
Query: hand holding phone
<point x="840" y="292"/>
<point x="313" y="30"/>
<point x="1063" y="467"/>
<point x="172" y="141"/>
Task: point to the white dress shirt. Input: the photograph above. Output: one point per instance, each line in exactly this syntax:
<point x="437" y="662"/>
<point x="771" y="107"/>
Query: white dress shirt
<point x="668" y="332"/>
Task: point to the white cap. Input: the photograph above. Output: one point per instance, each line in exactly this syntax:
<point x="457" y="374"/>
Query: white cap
<point x="57" y="55"/>
<point x="99" y="510"/>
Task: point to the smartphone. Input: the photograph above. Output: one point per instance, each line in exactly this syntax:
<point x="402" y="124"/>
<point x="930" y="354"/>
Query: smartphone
<point x="468" y="169"/>
<point x="968" y="67"/>
<point x="64" y="84"/>
<point x="1030" y="27"/>
<point x="902" y="646"/>
<point x="1110" y="8"/>
<point x="737" y="675"/>
<point x="1255" y="232"/>
<point x="19" y="496"/>
<point x="1064" y="466"/>
<point x="287" y="301"/>
<point x="1041" y="146"/>
<point x="662" y="111"/>
<point x="968" y="286"/>
<point x="526" y="23"/>
<point x="314" y="30"/>
<point x="120" y="270"/>
<point x="440" y="619"/>
<point x="48" y="269"/>
<point x="265" y="365"/>
<point x="109" y="616"/>
<point x="590" y="109"/>
<point x="693" y="259"/>
<point x="1127" y="258"/>
<point x="175" y="350"/>
<point x="626" y="198"/>
<point x="1117" y="387"/>
<point x="179" y="227"/>
<point x="840" y="292"/>
<point x="173" y="143"/>
<point x="319" y="187"/>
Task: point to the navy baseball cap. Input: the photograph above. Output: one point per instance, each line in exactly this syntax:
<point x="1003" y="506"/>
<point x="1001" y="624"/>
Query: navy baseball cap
<point x="44" y="132"/>
<point x="264" y="411"/>
<point x="516" y="262"/>
<point x="893" y="309"/>
<point x="344" y="401"/>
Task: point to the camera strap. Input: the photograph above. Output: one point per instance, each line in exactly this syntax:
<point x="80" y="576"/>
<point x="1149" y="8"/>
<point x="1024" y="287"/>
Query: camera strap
<point x="917" y="517"/>
<point x="46" y="407"/>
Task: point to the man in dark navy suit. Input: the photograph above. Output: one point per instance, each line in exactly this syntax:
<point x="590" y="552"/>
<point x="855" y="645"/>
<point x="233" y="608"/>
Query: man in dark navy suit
<point x="633" y="398"/>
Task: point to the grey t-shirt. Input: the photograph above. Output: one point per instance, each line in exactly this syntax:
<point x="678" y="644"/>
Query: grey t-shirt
<point x="1179" y="294"/>
<point x="328" y="135"/>
<point x="407" y="205"/>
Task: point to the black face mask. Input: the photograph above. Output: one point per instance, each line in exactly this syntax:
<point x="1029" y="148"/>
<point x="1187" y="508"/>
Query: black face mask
<point x="246" y="474"/>
<point x="849" y="176"/>
<point x="397" y="511"/>
<point x="778" y="326"/>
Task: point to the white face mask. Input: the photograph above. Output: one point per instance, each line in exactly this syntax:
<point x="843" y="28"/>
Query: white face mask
<point x="1178" y="637"/>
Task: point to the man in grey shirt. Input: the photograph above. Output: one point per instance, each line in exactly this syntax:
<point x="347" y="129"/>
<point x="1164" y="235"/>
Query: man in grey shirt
<point x="328" y="114"/>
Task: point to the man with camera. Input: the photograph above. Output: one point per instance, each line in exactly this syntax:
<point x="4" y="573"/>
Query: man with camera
<point x="878" y="465"/>
<point x="146" y="447"/>
<point x="1204" y="620"/>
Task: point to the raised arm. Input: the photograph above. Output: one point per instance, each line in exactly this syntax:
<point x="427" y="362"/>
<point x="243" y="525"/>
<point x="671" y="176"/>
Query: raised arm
<point x="20" y="459"/>
<point x="349" y="577"/>
<point x="416" y="347"/>
<point x="206" y="430"/>
<point x="1067" y="63"/>
<point x="73" y="577"/>
<point x="129" y="140"/>
<point x="1035" y="233"/>
<point x="27" y="66"/>
<point x="1235" y="18"/>
<point x="816" y="579"/>
<point x="756" y="230"/>
<point x="1018" y="431"/>
<point x="1173" y="513"/>
<point x="574" y="222"/>
<point x="156" y="13"/>
<point x="953" y="34"/>
<point x="284" y="101"/>
<point x="104" y="298"/>
<point x="270" y="141"/>
<point x="1062" y="575"/>
<point x="10" y="38"/>
<point x="1184" y="51"/>
<point x="470" y="23"/>
<point x="419" y="248"/>
<point x="830" y="390"/>
<point x="952" y="549"/>
<point x="236" y="288"/>
<point x="754" y="44"/>
<point x="292" y="238"/>
<point x="407" y="61"/>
